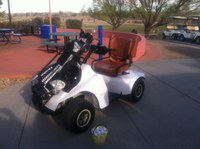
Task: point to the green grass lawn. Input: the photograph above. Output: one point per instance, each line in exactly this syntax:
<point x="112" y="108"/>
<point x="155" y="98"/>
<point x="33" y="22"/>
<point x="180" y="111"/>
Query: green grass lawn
<point x="123" y="28"/>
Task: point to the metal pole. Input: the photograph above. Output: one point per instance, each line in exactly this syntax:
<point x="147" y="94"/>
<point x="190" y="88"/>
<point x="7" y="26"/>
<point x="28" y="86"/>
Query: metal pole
<point x="50" y="18"/>
<point x="100" y="36"/>
<point x="9" y="13"/>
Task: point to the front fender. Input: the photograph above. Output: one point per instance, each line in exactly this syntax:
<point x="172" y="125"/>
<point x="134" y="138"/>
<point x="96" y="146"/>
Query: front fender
<point x="90" y="82"/>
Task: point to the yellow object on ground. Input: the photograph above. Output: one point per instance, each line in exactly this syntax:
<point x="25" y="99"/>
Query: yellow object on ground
<point x="99" y="134"/>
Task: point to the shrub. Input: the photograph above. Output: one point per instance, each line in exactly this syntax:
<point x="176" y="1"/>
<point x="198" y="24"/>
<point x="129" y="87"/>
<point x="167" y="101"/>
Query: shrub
<point x="18" y="25"/>
<point x="55" y="21"/>
<point x="75" y="24"/>
<point x="37" y="21"/>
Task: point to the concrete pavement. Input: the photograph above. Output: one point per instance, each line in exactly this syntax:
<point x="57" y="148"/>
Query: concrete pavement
<point x="167" y="117"/>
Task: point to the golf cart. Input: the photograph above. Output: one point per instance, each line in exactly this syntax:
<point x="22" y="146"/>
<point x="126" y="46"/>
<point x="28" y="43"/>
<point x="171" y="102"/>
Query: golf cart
<point x="175" y="25"/>
<point x="192" y="31"/>
<point x="70" y="86"/>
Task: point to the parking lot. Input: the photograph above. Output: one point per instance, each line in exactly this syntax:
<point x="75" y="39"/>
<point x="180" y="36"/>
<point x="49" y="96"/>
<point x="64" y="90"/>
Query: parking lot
<point x="167" y="117"/>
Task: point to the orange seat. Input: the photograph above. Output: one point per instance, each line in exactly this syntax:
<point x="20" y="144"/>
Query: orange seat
<point x="122" y="50"/>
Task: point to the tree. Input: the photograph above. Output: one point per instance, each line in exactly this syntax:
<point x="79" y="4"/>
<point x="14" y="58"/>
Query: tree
<point x="114" y="12"/>
<point x="1" y="3"/>
<point x="154" y="12"/>
<point x="2" y="12"/>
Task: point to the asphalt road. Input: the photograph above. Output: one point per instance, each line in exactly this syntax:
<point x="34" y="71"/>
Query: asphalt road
<point x="174" y="49"/>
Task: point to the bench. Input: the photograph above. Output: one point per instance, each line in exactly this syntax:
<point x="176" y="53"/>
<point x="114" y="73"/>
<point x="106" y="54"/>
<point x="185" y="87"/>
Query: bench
<point x="52" y="43"/>
<point x="18" y="37"/>
<point x="12" y="37"/>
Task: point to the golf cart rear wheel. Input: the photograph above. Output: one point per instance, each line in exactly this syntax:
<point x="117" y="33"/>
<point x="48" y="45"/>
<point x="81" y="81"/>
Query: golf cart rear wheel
<point x="174" y="37"/>
<point x="137" y="90"/>
<point x="197" y="40"/>
<point x="163" y="36"/>
<point x="182" y="38"/>
<point x="78" y="114"/>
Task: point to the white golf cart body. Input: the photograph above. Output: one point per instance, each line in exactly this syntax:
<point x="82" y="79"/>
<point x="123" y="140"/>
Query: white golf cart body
<point x="197" y="37"/>
<point x="97" y="87"/>
<point x="170" y="33"/>
<point x="188" y="34"/>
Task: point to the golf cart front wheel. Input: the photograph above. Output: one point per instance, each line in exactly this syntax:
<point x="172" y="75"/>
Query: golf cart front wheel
<point x="137" y="90"/>
<point x="78" y="115"/>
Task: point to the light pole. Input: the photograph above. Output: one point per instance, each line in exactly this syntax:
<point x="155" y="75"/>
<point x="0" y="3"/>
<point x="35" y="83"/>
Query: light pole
<point x="9" y="13"/>
<point x="50" y="17"/>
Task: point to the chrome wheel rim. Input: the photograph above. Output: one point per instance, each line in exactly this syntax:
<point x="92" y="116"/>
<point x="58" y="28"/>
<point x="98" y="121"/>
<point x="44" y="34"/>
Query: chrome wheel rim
<point x="83" y="118"/>
<point x="139" y="90"/>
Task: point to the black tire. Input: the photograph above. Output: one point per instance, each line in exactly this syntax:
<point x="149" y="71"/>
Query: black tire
<point x="137" y="90"/>
<point x="197" y="40"/>
<point x="78" y="115"/>
<point x="174" y="37"/>
<point x="163" y="36"/>
<point x="182" y="38"/>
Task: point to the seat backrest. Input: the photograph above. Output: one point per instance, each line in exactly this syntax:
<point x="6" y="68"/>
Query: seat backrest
<point x="120" y="48"/>
<point x="133" y="49"/>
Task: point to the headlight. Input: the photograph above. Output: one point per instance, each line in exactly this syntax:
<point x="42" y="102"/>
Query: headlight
<point x="57" y="85"/>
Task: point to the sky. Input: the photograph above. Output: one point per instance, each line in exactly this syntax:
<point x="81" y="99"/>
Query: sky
<point x="43" y="5"/>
